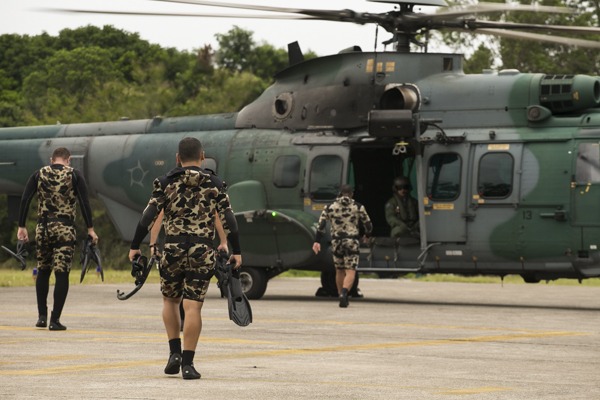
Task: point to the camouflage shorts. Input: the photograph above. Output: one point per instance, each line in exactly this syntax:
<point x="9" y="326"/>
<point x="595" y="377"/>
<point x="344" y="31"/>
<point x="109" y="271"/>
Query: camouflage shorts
<point x="186" y="269"/>
<point x="55" y="245"/>
<point x="345" y="253"/>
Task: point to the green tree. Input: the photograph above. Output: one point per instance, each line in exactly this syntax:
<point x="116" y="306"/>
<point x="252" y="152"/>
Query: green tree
<point x="65" y="80"/>
<point x="482" y="58"/>
<point x="265" y="61"/>
<point x="238" y="52"/>
<point x="235" y="48"/>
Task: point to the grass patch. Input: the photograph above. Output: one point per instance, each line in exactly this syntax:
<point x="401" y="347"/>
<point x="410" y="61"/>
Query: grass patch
<point x="17" y="278"/>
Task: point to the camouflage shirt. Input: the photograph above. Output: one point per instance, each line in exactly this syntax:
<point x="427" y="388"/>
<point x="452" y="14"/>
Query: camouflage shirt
<point x="346" y="216"/>
<point x="189" y="198"/>
<point x="58" y="187"/>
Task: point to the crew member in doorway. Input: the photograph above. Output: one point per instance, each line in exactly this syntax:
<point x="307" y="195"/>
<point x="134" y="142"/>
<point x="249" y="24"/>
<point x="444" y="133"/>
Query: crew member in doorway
<point x="346" y="216"/>
<point x="401" y="212"/>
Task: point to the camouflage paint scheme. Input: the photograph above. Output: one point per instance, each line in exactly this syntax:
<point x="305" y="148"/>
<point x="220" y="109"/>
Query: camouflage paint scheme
<point x="318" y="123"/>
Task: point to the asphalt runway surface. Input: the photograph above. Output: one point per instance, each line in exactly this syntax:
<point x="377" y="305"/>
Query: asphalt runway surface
<point x="404" y="340"/>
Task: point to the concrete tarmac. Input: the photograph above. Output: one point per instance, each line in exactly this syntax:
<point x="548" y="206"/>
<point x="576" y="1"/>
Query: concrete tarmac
<point x="404" y="340"/>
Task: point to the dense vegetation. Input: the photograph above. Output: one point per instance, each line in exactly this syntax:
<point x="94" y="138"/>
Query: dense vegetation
<point x="96" y="74"/>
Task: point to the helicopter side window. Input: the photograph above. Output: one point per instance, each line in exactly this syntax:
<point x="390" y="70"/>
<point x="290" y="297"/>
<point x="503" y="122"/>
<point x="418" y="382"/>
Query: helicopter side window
<point x="587" y="168"/>
<point x="443" y="176"/>
<point x="495" y="175"/>
<point x="325" y="177"/>
<point x="286" y="171"/>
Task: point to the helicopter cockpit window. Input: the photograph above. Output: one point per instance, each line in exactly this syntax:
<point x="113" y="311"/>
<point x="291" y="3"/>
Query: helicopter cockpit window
<point x="286" y="172"/>
<point x="588" y="163"/>
<point x="495" y="175"/>
<point x="443" y="176"/>
<point x="325" y="177"/>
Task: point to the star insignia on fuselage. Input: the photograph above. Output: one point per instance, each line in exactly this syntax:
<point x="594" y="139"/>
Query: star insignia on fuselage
<point x="137" y="174"/>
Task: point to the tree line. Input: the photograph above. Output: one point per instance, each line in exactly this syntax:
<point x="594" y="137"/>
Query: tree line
<point x="98" y="74"/>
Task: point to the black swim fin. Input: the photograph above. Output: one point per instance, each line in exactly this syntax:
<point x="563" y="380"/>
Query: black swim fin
<point x="240" y="311"/>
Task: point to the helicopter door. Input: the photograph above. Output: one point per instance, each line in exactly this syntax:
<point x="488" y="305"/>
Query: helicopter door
<point x="445" y="200"/>
<point x="494" y="197"/>
<point x="326" y="172"/>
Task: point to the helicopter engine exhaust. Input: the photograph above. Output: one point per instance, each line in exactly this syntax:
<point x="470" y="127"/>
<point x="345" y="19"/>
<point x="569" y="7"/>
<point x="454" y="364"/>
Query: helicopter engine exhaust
<point x="568" y="93"/>
<point x="401" y="97"/>
<point x="395" y="118"/>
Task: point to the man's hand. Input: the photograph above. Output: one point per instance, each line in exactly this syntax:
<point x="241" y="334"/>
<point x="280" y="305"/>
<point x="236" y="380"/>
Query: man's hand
<point x="237" y="258"/>
<point x="22" y="234"/>
<point x="133" y="253"/>
<point x="316" y="247"/>
<point x="223" y="248"/>
<point x="92" y="234"/>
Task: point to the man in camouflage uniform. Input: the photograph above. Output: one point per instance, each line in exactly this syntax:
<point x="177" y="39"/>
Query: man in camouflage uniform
<point x="189" y="197"/>
<point x="401" y="210"/>
<point x="346" y="217"/>
<point x="58" y="187"/>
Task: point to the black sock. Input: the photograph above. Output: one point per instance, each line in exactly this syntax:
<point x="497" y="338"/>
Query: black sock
<point x="42" y="286"/>
<point x="175" y="346"/>
<point x="344" y="292"/>
<point x="60" y="294"/>
<point x="188" y="357"/>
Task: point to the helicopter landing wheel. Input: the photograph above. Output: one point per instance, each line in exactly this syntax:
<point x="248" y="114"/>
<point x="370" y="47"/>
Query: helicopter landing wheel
<point x="254" y="282"/>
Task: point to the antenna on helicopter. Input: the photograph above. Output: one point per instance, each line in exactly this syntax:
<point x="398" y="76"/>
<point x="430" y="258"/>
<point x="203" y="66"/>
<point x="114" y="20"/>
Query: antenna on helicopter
<point x="295" y="55"/>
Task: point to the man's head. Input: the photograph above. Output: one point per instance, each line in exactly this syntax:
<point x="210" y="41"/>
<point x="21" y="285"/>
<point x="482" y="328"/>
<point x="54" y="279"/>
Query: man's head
<point x="401" y="186"/>
<point x="346" y="190"/>
<point x="190" y="151"/>
<point x="61" y="155"/>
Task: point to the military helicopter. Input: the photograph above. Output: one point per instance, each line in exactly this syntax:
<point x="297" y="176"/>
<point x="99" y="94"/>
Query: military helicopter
<point x="505" y="165"/>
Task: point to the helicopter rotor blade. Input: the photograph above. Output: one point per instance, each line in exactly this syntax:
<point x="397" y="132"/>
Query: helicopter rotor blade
<point x="489" y="8"/>
<point x="477" y="24"/>
<point x="238" y="6"/>
<point x="567" y="41"/>
<point x="345" y="15"/>
<point x="186" y="14"/>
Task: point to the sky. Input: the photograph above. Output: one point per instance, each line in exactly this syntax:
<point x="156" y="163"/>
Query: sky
<point x="30" y="17"/>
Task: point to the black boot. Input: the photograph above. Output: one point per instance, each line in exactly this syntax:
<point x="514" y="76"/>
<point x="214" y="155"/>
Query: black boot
<point x="55" y="325"/>
<point x="173" y="364"/>
<point x="344" y="298"/>
<point x="42" y="321"/>
<point x="189" y="372"/>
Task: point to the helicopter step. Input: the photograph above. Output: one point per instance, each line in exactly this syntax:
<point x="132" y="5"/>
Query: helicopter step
<point x="388" y="256"/>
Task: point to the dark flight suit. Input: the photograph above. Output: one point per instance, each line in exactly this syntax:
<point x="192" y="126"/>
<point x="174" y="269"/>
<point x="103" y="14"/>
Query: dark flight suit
<point x="58" y="187"/>
<point x="402" y="214"/>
